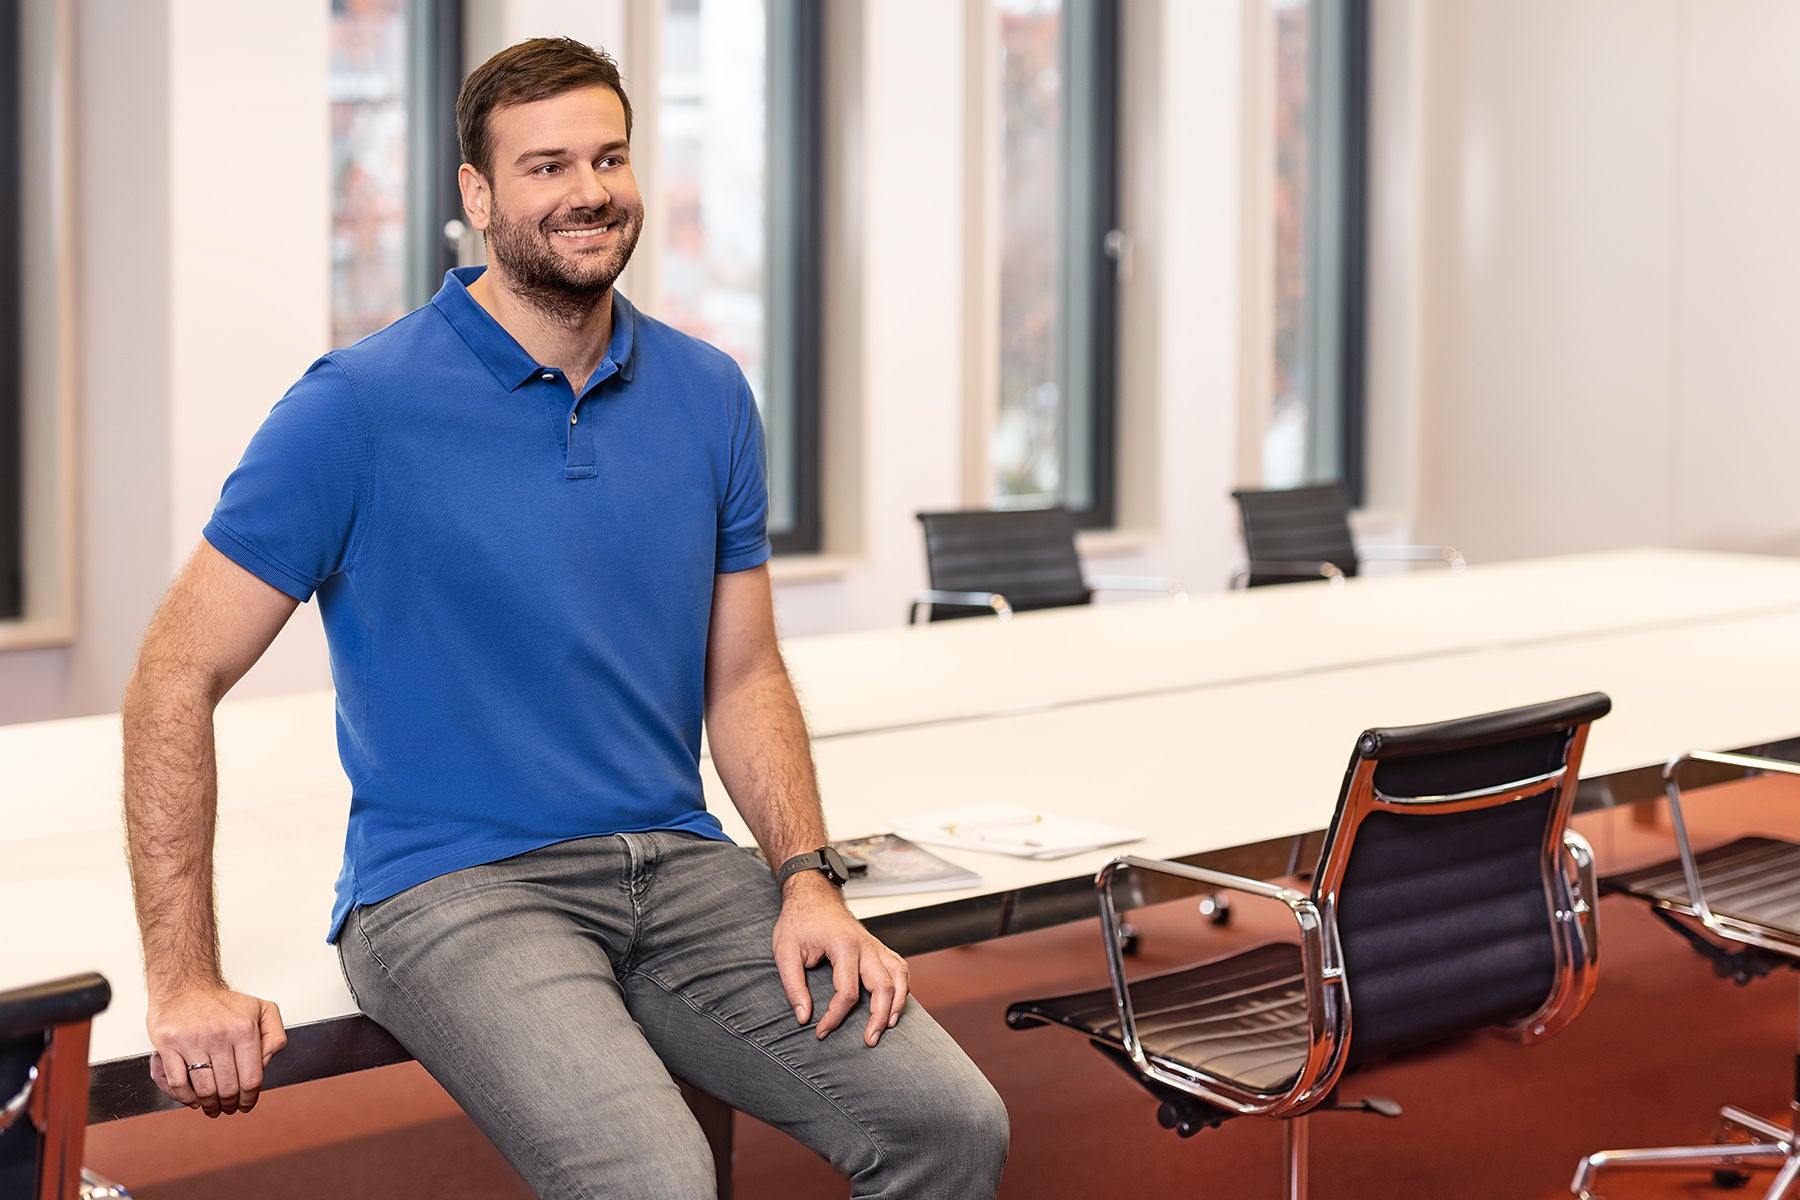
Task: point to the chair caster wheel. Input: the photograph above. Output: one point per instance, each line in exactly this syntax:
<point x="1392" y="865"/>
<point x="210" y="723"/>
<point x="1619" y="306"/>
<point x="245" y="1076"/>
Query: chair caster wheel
<point x="1216" y="908"/>
<point x="1730" y="1180"/>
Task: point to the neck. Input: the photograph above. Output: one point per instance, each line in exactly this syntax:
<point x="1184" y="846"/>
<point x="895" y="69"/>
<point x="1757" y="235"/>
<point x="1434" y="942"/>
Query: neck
<point x="569" y="337"/>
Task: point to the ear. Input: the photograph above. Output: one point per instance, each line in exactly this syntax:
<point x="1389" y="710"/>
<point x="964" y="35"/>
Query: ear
<point x="477" y="196"/>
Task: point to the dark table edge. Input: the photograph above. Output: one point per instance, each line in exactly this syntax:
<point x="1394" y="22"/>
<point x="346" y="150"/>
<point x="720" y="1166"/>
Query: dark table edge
<point x="121" y="1087"/>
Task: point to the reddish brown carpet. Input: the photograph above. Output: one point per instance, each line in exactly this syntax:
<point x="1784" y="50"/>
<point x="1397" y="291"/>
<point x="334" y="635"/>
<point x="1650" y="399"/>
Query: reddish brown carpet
<point x="1662" y="1045"/>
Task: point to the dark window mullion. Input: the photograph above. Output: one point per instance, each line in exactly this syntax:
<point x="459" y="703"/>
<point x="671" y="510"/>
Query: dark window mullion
<point x="1088" y="311"/>
<point x="796" y="105"/>
<point x="12" y="367"/>
<point x="434" y="61"/>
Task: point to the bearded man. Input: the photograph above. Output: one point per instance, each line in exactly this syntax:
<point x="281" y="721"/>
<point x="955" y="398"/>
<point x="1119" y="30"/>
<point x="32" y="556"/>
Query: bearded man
<point x="534" y="519"/>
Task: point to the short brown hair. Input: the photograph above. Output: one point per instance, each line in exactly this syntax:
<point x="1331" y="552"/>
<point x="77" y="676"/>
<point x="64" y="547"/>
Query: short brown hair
<point x="531" y="70"/>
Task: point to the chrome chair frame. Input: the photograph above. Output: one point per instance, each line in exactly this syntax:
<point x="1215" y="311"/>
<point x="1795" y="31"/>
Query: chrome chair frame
<point x="1570" y="891"/>
<point x="1251" y="499"/>
<point x="1770" y="1143"/>
<point x="1004" y="606"/>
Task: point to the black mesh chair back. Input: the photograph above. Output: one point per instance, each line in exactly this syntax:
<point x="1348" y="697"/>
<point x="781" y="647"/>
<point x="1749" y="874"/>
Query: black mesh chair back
<point x="1026" y="555"/>
<point x="44" y="1085"/>
<point x="1444" y="877"/>
<point x="1287" y="533"/>
<point x="1450" y="896"/>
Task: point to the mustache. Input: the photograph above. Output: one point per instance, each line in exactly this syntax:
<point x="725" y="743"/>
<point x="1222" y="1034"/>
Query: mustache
<point x="577" y="218"/>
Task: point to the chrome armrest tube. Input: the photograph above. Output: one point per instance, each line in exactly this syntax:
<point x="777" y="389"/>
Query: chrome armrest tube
<point x="994" y="600"/>
<point x="1690" y="868"/>
<point x="1138" y="583"/>
<point x="1299" y="570"/>
<point x="1321" y="965"/>
<point x="1450" y="556"/>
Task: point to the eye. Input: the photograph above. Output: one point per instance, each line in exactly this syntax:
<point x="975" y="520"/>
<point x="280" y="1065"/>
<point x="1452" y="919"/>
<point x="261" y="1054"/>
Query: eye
<point x="613" y="160"/>
<point x="547" y="169"/>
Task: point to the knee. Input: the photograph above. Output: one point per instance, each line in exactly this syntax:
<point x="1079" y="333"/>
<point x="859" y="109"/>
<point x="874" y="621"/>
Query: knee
<point x="964" y="1127"/>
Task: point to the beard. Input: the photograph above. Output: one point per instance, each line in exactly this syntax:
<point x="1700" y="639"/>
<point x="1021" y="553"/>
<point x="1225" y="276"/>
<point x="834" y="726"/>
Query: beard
<point x="563" y="290"/>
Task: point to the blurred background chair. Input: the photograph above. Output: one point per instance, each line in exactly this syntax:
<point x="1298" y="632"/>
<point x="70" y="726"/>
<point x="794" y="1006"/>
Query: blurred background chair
<point x="1450" y="896"/>
<point x="1002" y="561"/>
<point x="1297" y="534"/>
<point x="1738" y="905"/>
<point x="44" y="1090"/>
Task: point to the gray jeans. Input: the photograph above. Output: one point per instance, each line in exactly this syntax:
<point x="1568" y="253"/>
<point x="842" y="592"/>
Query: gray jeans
<point x="554" y="994"/>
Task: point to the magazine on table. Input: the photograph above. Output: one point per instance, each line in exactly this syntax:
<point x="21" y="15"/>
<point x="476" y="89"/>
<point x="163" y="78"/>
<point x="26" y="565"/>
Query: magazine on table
<point x="1012" y="829"/>
<point x="887" y="864"/>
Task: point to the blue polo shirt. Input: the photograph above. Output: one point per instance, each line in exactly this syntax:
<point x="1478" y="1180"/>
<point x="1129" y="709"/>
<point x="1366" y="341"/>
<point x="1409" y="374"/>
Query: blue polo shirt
<point x="515" y="581"/>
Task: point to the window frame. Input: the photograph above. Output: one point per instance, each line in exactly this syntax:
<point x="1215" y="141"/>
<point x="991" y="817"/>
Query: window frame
<point x="1091" y="248"/>
<point x="794" y="348"/>
<point x="1336" y="231"/>
<point x="12" y="319"/>
<point x="435" y="231"/>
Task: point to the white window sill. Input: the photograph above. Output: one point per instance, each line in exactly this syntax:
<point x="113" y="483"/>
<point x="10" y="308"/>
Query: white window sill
<point x="1102" y="543"/>
<point x="35" y="634"/>
<point x="811" y="568"/>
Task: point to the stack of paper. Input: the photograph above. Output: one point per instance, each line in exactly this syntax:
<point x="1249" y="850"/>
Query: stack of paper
<point x="1012" y="829"/>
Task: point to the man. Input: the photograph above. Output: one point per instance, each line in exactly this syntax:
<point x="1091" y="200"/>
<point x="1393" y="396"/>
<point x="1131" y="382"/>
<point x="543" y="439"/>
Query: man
<point x="534" y="519"/>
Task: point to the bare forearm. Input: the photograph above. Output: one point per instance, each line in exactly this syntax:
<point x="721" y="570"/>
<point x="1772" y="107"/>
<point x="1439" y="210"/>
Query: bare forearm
<point x="760" y="748"/>
<point x="171" y="793"/>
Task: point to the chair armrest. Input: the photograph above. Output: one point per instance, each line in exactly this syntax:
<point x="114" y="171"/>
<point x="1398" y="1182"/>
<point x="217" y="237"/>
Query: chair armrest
<point x="1138" y="583"/>
<point x="1296" y="570"/>
<point x="1672" y="789"/>
<point x="1450" y="556"/>
<point x="993" y="600"/>
<point x="1320" y="960"/>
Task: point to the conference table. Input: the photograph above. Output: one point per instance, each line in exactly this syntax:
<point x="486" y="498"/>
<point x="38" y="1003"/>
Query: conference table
<point x="1219" y="728"/>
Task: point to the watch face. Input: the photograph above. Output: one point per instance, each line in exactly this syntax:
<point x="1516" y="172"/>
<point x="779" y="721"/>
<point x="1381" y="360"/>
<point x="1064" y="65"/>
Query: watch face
<point x="836" y="869"/>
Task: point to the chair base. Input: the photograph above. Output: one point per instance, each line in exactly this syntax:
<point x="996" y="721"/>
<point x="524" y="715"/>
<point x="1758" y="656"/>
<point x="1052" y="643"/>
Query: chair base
<point x="1770" y="1145"/>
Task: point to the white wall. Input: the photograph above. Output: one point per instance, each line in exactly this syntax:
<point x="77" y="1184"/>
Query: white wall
<point x="1609" y="275"/>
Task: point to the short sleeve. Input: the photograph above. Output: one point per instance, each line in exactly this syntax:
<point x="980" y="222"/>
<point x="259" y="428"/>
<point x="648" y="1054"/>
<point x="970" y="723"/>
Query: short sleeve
<point x="288" y="513"/>
<point x="744" y="514"/>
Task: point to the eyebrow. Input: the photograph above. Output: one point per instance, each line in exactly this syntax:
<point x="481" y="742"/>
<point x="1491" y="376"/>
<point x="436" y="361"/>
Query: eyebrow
<point x="612" y="147"/>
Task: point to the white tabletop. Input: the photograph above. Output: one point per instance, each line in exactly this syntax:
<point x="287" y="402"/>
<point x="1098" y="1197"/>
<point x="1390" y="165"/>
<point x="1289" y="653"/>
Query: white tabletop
<point x="1210" y="730"/>
<point x="955" y="669"/>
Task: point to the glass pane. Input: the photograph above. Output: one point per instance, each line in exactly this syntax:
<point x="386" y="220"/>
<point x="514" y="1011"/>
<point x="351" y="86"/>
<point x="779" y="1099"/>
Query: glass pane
<point x="713" y="160"/>
<point x="368" y="166"/>
<point x="1286" y="435"/>
<point x="1027" y="440"/>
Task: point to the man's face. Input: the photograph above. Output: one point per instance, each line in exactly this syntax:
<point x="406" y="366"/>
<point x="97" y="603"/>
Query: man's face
<point x="562" y="212"/>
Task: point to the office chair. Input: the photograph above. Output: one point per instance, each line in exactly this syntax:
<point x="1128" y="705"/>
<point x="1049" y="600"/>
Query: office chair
<point x="44" y="1090"/>
<point x="1738" y="905"/>
<point x="1003" y="561"/>
<point x="1298" y="534"/>
<point x="1450" y="895"/>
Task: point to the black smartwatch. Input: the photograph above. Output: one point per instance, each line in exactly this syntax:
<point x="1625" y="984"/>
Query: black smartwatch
<point x="824" y="860"/>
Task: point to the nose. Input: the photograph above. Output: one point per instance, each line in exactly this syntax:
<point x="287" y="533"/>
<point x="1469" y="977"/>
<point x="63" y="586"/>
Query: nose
<point x="586" y="188"/>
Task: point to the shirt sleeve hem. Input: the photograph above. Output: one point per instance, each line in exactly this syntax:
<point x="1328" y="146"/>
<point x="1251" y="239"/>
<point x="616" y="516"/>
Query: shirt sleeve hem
<point x="743" y="560"/>
<point x="228" y="543"/>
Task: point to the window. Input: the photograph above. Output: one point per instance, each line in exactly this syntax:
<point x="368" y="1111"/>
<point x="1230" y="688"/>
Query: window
<point x="737" y="160"/>
<point x="1313" y="428"/>
<point x="1056" y="184"/>
<point x="12" y="345"/>
<point x="395" y="69"/>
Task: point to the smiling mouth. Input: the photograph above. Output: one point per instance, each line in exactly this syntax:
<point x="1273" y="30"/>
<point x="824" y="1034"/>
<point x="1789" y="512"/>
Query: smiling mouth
<point x="576" y="235"/>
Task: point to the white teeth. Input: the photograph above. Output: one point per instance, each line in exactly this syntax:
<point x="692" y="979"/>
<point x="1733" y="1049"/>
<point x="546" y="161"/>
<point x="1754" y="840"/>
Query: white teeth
<point x="582" y="233"/>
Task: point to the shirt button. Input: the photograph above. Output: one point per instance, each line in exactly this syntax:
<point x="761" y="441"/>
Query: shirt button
<point x="571" y="418"/>
<point x="549" y="376"/>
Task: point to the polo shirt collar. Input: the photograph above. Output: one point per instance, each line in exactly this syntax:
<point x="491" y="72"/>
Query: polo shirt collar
<point x="501" y="352"/>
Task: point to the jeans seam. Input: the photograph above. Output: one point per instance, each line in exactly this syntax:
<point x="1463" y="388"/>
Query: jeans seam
<point x="425" y="1014"/>
<point x="792" y="1069"/>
